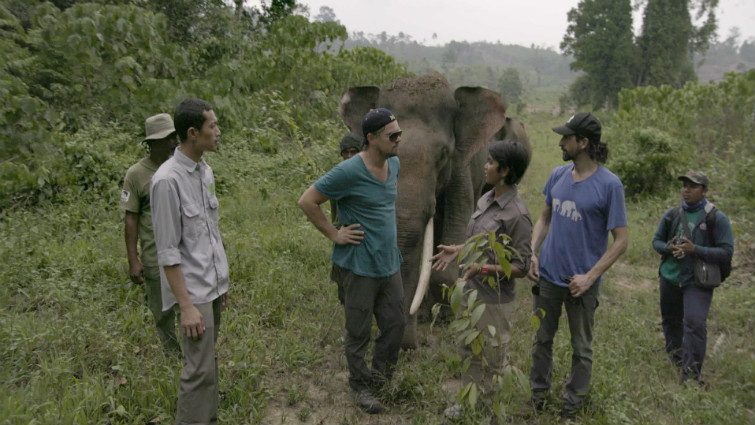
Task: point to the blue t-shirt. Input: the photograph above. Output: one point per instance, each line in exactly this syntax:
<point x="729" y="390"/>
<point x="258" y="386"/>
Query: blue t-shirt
<point x="582" y="215"/>
<point x="364" y="199"/>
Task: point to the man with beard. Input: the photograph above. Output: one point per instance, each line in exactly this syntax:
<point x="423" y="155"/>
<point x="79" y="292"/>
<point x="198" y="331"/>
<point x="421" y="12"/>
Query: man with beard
<point x="584" y="201"/>
<point x="366" y="252"/>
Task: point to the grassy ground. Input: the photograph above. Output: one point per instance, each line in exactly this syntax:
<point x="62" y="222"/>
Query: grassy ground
<point x="77" y="346"/>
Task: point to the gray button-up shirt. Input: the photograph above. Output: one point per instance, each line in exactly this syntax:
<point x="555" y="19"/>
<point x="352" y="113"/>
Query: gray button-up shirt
<point x="185" y="221"/>
<point x="508" y="215"/>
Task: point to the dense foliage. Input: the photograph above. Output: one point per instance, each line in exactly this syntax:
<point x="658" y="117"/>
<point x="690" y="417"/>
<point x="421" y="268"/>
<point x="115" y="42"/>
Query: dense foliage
<point x="660" y="132"/>
<point x="76" y="69"/>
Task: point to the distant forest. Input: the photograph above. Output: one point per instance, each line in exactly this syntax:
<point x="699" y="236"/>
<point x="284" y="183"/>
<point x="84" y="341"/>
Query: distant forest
<point x="531" y="76"/>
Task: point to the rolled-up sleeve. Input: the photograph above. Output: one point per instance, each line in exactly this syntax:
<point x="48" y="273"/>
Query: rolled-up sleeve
<point x="520" y="228"/>
<point x="166" y="221"/>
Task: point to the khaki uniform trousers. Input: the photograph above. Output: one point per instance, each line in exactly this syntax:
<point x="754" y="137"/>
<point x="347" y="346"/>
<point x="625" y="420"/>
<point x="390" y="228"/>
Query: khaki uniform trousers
<point x="165" y="321"/>
<point x="198" y="385"/>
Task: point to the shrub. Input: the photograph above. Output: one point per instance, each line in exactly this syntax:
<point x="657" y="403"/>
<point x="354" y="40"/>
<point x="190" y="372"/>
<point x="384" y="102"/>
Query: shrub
<point x="646" y="161"/>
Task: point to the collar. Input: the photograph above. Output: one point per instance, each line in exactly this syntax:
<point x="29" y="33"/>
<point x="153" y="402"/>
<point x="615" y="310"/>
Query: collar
<point x="185" y="161"/>
<point x="695" y="207"/>
<point x="149" y="164"/>
<point x="488" y="199"/>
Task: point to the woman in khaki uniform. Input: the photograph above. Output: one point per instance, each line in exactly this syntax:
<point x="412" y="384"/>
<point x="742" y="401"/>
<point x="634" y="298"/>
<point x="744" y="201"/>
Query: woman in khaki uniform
<point x="500" y="210"/>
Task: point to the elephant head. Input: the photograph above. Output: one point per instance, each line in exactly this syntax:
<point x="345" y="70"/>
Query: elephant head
<point x="442" y="152"/>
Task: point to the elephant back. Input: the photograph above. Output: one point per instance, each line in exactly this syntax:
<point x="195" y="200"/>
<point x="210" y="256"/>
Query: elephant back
<point x="427" y="98"/>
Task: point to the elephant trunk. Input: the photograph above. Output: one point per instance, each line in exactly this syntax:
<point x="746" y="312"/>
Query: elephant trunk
<point x="425" y="268"/>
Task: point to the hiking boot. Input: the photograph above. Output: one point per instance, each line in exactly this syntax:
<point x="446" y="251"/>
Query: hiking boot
<point x="454" y="412"/>
<point x="378" y="381"/>
<point x="367" y="402"/>
<point x="538" y="404"/>
<point x="568" y="413"/>
<point x="539" y="401"/>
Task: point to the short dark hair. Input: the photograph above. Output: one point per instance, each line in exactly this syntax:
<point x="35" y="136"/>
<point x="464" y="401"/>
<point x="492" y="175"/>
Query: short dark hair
<point x="511" y="154"/>
<point x="190" y="113"/>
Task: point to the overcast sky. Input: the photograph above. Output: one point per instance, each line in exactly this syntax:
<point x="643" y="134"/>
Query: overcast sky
<point x="524" y="22"/>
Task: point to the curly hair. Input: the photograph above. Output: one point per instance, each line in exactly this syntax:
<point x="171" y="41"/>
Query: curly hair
<point x="597" y="149"/>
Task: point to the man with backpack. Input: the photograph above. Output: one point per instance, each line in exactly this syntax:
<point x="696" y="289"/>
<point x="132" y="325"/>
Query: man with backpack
<point x="696" y="245"/>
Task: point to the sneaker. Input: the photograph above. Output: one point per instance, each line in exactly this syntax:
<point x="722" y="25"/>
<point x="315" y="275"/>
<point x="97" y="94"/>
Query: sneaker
<point x="367" y="402"/>
<point x="453" y="412"/>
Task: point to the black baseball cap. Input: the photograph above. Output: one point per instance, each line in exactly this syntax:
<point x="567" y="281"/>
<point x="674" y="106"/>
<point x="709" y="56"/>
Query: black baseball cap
<point x="376" y="119"/>
<point x="582" y="123"/>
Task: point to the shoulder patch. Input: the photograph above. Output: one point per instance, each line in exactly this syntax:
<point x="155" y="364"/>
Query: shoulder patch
<point x="125" y="195"/>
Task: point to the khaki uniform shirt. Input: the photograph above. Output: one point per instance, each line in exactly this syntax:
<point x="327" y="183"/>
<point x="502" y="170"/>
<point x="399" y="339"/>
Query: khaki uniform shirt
<point x="508" y="215"/>
<point x="185" y="218"/>
<point x="135" y="199"/>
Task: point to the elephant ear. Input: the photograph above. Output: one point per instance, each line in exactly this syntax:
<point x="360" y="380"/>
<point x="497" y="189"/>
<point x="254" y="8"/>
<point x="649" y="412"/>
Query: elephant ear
<point x="481" y="115"/>
<point x="355" y="103"/>
<point x="514" y="129"/>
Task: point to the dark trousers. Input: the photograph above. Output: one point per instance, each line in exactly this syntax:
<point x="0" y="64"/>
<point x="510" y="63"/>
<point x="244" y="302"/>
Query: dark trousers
<point x="363" y="298"/>
<point x="684" y="311"/>
<point x="580" y="313"/>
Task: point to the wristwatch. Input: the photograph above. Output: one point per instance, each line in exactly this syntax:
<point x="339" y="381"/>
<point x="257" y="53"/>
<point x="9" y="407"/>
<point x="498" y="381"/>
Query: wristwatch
<point x="485" y="270"/>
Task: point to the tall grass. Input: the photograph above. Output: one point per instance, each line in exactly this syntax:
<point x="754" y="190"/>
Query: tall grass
<point x="77" y="344"/>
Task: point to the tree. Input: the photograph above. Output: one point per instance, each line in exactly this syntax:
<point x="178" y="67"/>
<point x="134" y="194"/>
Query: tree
<point x="510" y="85"/>
<point x="669" y="39"/>
<point x="747" y="50"/>
<point x="326" y="15"/>
<point x="599" y="36"/>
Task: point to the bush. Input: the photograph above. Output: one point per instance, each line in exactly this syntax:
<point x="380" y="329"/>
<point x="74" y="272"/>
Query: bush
<point x="709" y="127"/>
<point x="647" y="161"/>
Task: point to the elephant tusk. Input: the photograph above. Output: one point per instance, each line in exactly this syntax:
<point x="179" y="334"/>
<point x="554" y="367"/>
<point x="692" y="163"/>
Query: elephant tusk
<point x="425" y="268"/>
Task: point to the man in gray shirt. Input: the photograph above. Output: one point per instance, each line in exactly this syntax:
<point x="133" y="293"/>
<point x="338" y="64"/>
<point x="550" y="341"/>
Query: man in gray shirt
<point x="194" y="267"/>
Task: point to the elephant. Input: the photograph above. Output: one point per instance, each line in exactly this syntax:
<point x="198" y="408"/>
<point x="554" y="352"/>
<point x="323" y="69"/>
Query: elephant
<point x="442" y="152"/>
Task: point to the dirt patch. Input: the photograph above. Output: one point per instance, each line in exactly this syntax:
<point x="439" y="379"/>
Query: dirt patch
<point x="632" y="278"/>
<point x="321" y="396"/>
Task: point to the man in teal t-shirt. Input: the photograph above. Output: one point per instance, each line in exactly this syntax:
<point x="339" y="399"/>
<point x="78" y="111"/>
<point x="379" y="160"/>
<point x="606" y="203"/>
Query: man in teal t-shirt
<point x="366" y="251"/>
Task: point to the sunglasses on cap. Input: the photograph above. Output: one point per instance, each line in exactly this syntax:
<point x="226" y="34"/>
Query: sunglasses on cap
<point x="393" y="137"/>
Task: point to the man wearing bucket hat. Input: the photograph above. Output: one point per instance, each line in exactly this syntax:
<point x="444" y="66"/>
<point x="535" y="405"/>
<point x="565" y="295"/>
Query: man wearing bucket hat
<point x="583" y="202"/>
<point x="695" y="230"/>
<point x="350" y="145"/>
<point x="366" y="252"/>
<point x="160" y="139"/>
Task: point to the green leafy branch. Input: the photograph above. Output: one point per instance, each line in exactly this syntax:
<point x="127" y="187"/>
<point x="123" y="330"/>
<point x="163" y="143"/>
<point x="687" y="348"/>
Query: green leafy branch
<point x="479" y="250"/>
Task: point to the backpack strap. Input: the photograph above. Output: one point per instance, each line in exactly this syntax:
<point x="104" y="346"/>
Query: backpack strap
<point x="685" y="224"/>
<point x="710" y="222"/>
<point x="672" y="222"/>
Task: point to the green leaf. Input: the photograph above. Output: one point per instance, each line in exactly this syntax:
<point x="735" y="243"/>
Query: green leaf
<point x="471" y="335"/>
<point x="535" y="322"/>
<point x="476" y="345"/>
<point x="477" y="313"/>
<point x="491" y="330"/>
<point x="472" y="299"/>
<point x="473" y="395"/>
